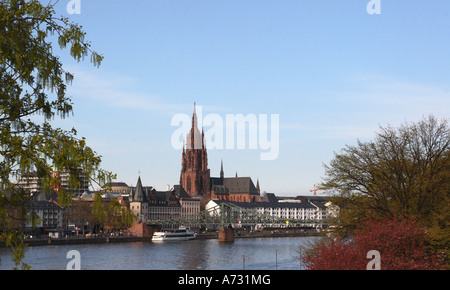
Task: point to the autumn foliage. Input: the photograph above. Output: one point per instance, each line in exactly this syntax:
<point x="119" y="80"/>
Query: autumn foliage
<point x="400" y="242"/>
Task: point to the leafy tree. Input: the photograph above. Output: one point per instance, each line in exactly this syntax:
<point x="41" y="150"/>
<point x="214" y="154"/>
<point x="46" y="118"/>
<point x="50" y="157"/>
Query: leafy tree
<point x="119" y="216"/>
<point x="80" y="214"/>
<point x="98" y="210"/>
<point x="405" y="171"/>
<point x="127" y="218"/>
<point x="400" y="242"/>
<point x="33" y="82"/>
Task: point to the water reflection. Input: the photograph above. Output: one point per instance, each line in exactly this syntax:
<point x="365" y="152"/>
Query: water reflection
<point x="188" y="255"/>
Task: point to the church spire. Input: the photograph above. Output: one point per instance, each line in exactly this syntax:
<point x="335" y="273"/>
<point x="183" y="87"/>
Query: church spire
<point x="195" y="138"/>
<point x="194" y="118"/>
<point x="221" y="170"/>
<point x="195" y="175"/>
<point x="139" y="192"/>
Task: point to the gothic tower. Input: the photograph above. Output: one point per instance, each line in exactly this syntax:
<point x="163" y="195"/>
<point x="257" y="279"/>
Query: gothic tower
<point x="195" y="174"/>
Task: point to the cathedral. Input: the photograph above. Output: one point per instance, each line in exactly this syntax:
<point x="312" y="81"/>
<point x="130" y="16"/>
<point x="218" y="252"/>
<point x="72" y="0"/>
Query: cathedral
<point x="195" y="176"/>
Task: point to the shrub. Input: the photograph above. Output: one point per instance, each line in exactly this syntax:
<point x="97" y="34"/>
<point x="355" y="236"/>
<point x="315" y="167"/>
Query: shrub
<point x="400" y="242"/>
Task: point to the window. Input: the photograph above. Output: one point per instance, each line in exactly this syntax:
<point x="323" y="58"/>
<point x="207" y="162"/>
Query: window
<point x="188" y="184"/>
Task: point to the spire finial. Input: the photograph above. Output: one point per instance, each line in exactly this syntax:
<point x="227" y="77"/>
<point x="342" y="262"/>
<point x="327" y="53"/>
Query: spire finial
<point x="194" y="118"/>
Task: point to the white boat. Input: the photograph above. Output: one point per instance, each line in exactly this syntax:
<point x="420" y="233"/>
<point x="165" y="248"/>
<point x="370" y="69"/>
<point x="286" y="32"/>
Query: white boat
<point x="181" y="234"/>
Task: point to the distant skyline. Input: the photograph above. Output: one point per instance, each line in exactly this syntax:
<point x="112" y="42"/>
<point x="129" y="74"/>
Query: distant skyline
<point x="332" y="73"/>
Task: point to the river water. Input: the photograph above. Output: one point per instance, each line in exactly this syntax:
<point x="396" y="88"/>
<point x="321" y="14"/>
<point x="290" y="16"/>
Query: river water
<point x="257" y="254"/>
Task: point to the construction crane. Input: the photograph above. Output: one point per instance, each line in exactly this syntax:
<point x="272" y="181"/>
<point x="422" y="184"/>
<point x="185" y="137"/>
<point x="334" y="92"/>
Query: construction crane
<point x="315" y="190"/>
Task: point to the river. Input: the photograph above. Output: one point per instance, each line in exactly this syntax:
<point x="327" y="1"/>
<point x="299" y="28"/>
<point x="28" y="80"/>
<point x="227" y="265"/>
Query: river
<point x="257" y="254"/>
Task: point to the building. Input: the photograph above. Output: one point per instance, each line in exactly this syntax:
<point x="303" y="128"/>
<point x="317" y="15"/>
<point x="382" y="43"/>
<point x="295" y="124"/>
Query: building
<point x="119" y="187"/>
<point x="33" y="182"/>
<point x="239" y="189"/>
<point x="303" y="211"/>
<point x="30" y="182"/>
<point x="163" y="205"/>
<point x="139" y="202"/>
<point x="149" y="204"/>
<point x="190" y="205"/>
<point x="44" y="209"/>
<point x="195" y="176"/>
<point x="71" y="183"/>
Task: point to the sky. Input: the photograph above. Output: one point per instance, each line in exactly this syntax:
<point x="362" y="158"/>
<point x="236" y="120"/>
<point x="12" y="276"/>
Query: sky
<point x="330" y="71"/>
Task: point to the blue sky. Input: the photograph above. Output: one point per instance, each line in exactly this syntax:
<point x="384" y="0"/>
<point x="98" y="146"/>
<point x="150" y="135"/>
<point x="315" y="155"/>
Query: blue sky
<point x="331" y="71"/>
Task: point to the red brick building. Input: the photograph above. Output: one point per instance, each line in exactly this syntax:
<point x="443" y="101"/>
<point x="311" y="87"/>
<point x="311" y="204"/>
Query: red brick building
<point x="195" y="175"/>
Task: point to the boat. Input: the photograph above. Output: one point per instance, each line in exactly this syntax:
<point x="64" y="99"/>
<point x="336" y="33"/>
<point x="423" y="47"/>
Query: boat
<point x="180" y="234"/>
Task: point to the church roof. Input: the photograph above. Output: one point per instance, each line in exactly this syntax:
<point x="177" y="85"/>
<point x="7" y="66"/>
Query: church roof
<point x="230" y="185"/>
<point x="139" y="195"/>
<point x="240" y="185"/>
<point x="220" y="189"/>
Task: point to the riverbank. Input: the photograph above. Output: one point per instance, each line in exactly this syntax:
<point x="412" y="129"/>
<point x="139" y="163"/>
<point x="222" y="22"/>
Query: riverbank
<point x="126" y="239"/>
<point x="80" y="240"/>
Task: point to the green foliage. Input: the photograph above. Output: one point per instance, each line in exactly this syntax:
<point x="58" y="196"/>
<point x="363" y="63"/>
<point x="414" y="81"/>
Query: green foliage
<point x="98" y="210"/>
<point x="118" y="215"/>
<point x="405" y="172"/>
<point x="33" y="82"/>
<point x="13" y="239"/>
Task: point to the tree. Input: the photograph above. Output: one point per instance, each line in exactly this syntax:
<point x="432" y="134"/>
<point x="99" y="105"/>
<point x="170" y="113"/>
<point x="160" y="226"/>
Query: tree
<point x="33" y="82"/>
<point x="98" y="210"/>
<point x="404" y="171"/>
<point x="400" y="242"/>
<point x="119" y="216"/>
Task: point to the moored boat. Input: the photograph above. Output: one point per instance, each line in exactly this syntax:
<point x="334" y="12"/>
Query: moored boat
<point x="180" y="234"/>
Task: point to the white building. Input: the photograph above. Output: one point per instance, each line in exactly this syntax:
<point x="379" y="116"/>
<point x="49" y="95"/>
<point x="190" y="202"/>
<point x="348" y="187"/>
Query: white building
<point x="304" y="211"/>
<point x="30" y="182"/>
<point x="41" y="216"/>
<point x="33" y="182"/>
<point x="190" y="205"/>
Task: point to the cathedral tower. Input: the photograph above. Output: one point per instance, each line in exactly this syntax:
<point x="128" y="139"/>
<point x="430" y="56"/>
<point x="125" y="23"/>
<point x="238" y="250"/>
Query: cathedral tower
<point x="195" y="176"/>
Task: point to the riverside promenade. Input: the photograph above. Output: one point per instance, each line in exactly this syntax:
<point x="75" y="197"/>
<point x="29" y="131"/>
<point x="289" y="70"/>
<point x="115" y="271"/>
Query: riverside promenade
<point x="81" y="240"/>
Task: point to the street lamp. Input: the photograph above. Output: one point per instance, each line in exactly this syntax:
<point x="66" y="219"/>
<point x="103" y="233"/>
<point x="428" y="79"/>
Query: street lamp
<point x="243" y="260"/>
<point x="276" y="259"/>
